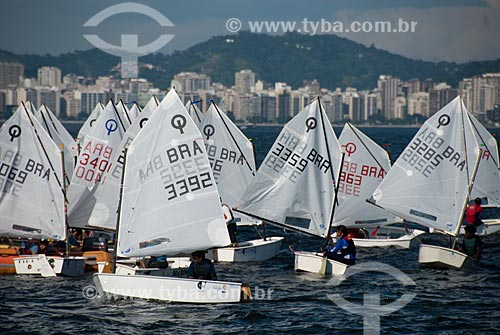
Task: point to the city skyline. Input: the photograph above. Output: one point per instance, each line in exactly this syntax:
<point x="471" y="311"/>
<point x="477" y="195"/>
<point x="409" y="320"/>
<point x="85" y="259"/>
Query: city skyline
<point x="250" y="99"/>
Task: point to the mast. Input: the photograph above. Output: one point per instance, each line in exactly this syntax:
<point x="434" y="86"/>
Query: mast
<point x="335" y="186"/>
<point x="119" y="209"/>
<point x="470" y="181"/>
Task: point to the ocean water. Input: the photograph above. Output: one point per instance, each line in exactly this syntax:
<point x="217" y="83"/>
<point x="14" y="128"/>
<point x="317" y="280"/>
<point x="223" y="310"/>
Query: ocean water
<point x="445" y="302"/>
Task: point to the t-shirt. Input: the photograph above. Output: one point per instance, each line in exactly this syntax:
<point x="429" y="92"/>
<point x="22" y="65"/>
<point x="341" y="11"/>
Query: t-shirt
<point x="472" y="213"/>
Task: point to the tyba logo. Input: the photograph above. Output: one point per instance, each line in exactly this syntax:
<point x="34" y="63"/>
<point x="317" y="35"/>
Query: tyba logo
<point x="129" y="51"/>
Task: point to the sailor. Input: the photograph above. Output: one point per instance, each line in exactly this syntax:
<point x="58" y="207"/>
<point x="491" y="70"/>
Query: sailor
<point x="201" y="267"/>
<point x="471" y="245"/>
<point x="473" y="213"/>
<point x="344" y="250"/>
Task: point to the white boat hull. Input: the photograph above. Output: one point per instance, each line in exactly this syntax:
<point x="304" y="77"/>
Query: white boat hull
<point x="249" y="251"/>
<point x="383" y="238"/>
<point x="50" y="266"/>
<point x="312" y="262"/>
<point x="441" y="257"/>
<point x="488" y="227"/>
<point x="170" y="289"/>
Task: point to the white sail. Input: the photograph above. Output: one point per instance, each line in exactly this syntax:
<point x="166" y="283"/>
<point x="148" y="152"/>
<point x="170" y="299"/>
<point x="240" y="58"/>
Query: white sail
<point x="32" y="199"/>
<point x="104" y="213"/>
<point x="487" y="181"/>
<point x="429" y="183"/>
<point x="294" y="186"/>
<point x="230" y="154"/>
<point x="153" y="103"/>
<point x="123" y="114"/>
<point x="194" y="112"/>
<point x="170" y="203"/>
<point x="60" y="136"/>
<point x="93" y="164"/>
<point x="134" y="112"/>
<point x="89" y="123"/>
<point x="365" y="165"/>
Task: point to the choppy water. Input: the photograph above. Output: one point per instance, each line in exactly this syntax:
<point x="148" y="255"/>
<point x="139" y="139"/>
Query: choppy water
<point x="446" y="302"/>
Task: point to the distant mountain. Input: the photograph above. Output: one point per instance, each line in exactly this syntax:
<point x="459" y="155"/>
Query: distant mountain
<point x="291" y="58"/>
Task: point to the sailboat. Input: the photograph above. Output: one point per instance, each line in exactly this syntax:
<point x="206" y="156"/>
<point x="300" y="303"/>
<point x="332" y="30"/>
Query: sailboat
<point x="32" y="202"/>
<point x="231" y="156"/>
<point x="365" y="165"/>
<point x="296" y="183"/>
<point x="432" y="179"/>
<point x="93" y="164"/>
<point x="487" y="182"/>
<point x="169" y="206"/>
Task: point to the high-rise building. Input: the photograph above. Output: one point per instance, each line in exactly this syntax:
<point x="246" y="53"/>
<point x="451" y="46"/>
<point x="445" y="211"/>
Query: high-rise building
<point x="370" y="105"/>
<point x="3" y="104"/>
<point x="49" y="76"/>
<point x="440" y="96"/>
<point x="10" y="74"/>
<point x="190" y="82"/>
<point x="493" y="79"/>
<point x="91" y="96"/>
<point x="72" y="101"/>
<point x="483" y="96"/>
<point x="418" y="103"/>
<point x="388" y="87"/>
<point x="244" y="81"/>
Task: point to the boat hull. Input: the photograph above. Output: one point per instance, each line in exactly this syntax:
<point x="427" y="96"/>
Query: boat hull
<point x="249" y="251"/>
<point x="489" y="227"/>
<point x="49" y="266"/>
<point x="96" y="261"/>
<point x="383" y="239"/>
<point x="169" y="289"/>
<point x="442" y="258"/>
<point x="7" y="256"/>
<point x="312" y="262"/>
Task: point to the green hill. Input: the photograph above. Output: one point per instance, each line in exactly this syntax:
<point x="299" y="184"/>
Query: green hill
<point x="291" y="58"/>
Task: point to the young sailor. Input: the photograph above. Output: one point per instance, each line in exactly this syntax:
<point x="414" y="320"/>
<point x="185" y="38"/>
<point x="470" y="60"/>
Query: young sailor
<point x="344" y="250"/>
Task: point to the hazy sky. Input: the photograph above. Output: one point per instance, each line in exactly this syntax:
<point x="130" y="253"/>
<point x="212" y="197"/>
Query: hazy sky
<point x="453" y="30"/>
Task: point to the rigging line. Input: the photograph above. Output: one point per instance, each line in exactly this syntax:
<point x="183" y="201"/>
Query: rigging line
<point x="192" y="105"/>
<point x="46" y="124"/>
<point x="125" y="110"/>
<point x="117" y="114"/>
<point x="232" y="137"/>
<point x="50" y="118"/>
<point x="363" y="143"/>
